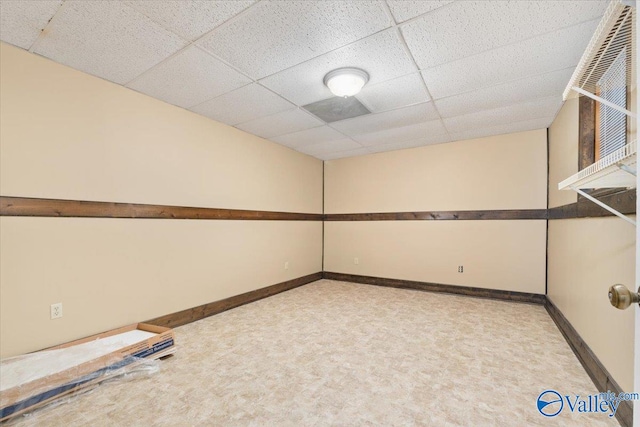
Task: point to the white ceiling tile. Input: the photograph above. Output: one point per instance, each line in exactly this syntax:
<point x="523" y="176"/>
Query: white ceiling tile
<point x="190" y="19"/>
<point x="280" y="34"/>
<point x="389" y="119"/>
<point x="521" y="126"/>
<point x="539" y="108"/>
<point x="407" y="9"/>
<point x="189" y="78"/>
<point x="466" y="28"/>
<point x="280" y="123"/>
<point x="22" y="21"/>
<point x="431" y="129"/>
<point x="317" y="135"/>
<point x="242" y="105"/>
<point x="513" y="92"/>
<point x="554" y="51"/>
<point x="107" y="39"/>
<point x="395" y="93"/>
<point x="327" y="147"/>
<point x="382" y="56"/>
<point x="401" y="145"/>
<point x="344" y="154"/>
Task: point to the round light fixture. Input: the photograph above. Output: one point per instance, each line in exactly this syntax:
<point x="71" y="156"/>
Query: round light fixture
<point x="346" y="81"/>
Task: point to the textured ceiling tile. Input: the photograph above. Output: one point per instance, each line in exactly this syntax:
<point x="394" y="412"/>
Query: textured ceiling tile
<point x="407" y="9"/>
<point x="396" y="93"/>
<point x="401" y="145"/>
<point x="525" y="125"/>
<point x="344" y="154"/>
<point x="22" y="21"/>
<point x="554" y="51"/>
<point x="432" y="128"/>
<point x="280" y="34"/>
<point x="303" y="138"/>
<point x="280" y="123"/>
<point x="107" y="39"/>
<point x="327" y="147"/>
<point x="513" y="92"/>
<point x="190" y="19"/>
<point x="381" y="55"/>
<point x="539" y="108"/>
<point x="242" y="105"/>
<point x="189" y="78"/>
<point x="390" y="119"/>
<point x="466" y="28"/>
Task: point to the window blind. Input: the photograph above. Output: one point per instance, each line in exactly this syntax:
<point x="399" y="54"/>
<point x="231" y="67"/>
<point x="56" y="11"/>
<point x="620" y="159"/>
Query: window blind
<point x="613" y="88"/>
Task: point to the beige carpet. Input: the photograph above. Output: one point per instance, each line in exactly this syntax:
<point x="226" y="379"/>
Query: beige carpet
<point x="332" y="353"/>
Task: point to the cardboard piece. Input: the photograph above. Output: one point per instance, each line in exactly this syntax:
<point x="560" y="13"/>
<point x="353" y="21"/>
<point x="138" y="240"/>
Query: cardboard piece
<point x="38" y="378"/>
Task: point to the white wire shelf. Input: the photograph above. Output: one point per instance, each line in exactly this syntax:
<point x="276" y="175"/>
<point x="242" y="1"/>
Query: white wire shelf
<point x="617" y="170"/>
<point x="614" y="32"/>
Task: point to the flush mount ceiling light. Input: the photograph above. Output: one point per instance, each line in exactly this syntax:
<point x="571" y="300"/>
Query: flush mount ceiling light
<point x="346" y="81"/>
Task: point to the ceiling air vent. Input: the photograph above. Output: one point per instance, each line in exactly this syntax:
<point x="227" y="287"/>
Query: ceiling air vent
<point x="337" y="108"/>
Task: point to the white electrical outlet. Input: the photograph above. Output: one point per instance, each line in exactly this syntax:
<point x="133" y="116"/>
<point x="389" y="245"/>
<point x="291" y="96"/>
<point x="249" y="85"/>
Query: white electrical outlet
<point x="286" y="265"/>
<point x="56" y="310"/>
<point x="356" y="261"/>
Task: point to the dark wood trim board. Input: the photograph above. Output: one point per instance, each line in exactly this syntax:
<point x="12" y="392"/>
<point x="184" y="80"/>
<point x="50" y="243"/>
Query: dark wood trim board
<point x="586" y="132"/>
<point x="438" y="287"/>
<point x="595" y="369"/>
<point x="622" y="201"/>
<point x="441" y="215"/>
<point x="200" y="312"/>
<point x="22" y="206"/>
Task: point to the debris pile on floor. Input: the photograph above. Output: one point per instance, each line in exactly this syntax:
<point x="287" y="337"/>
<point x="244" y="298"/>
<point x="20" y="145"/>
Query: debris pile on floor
<point x="33" y="380"/>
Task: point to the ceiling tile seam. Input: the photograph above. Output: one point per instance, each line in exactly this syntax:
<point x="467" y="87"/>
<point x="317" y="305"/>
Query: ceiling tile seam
<point x="422" y="15"/>
<point x="348" y="149"/>
<point x="410" y="54"/>
<point x="194" y="43"/>
<point x="166" y="27"/>
<point x="253" y="82"/>
<point x="55" y="16"/>
<point x="527" y="77"/>
<point x="517" y="79"/>
<point x="505" y="106"/>
<point x="162" y="62"/>
<point x="505" y="133"/>
<point x="533" y="117"/>
<point x="291" y="133"/>
<point x="540" y="98"/>
<point x="327" y="52"/>
<point x="229" y="21"/>
<point x="218" y="28"/>
<point x="387" y="9"/>
<point x="382" y="112"/>
<point x="155" y="21"/>
<point x="508" y="44"/>
<point x="280" y="112"/>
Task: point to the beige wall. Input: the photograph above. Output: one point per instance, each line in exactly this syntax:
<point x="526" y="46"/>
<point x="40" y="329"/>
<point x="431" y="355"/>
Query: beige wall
<point x="585" y="257"/>
<point x="69" y="135"/>
<point x="563" y="153"/>
<point x="501" y="172"/>
<point x="507" y="255"/>
<point x="112" y="272"/>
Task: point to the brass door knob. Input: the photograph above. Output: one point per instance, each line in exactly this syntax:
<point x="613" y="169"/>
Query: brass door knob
<point x="620" y="297"/>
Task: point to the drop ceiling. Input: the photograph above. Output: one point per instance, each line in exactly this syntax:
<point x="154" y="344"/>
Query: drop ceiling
<point x="440" y="71"/>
